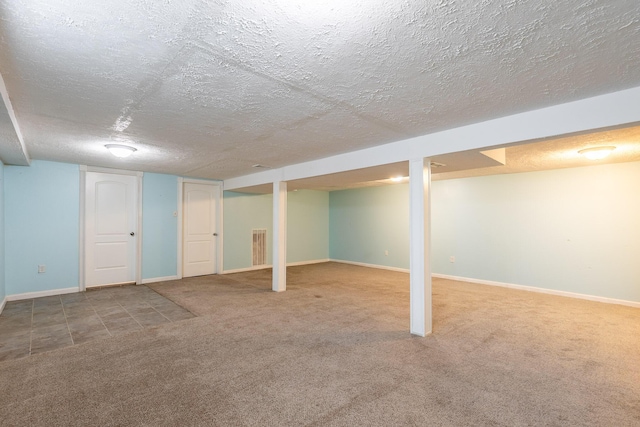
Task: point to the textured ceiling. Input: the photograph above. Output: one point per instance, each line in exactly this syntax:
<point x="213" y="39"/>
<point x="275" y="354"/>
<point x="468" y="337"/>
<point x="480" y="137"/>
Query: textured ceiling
<point x="553" y="153"/>
<point x="558" y="153"/>
<point x="210" y="88"/>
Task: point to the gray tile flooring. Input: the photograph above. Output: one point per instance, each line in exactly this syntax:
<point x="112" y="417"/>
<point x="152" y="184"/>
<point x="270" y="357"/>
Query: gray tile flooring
<point x="42" y="324"/>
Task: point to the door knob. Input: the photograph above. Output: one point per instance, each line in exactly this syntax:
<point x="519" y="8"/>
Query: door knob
<point x="215" y="234"/>
<point x="132" y="233"/>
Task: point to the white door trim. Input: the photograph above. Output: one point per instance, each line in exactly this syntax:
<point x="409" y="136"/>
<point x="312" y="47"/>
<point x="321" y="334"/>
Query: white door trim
<point x="219" y="223"/>
<point x="112" y="171"/>
<point x="139" y="225"/>
<point x="180" y="208"/>
<point x="82" y="285"/>
<point x="81" y="244"/>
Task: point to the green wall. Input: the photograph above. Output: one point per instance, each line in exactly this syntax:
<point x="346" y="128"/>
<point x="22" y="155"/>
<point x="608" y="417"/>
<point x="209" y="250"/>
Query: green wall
<point x="307" y="226"/>
<point x="242" y="213"/>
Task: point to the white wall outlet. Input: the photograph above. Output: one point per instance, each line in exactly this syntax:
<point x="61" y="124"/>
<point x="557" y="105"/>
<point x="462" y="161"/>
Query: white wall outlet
<point x="452" y="259"/>
<point x="386" y="252"/>
<point x="42" y="268"/>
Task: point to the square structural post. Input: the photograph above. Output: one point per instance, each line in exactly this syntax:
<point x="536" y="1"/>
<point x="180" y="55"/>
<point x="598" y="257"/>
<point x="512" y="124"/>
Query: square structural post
<point x="420" y="246"/>
<point x="279" y="283"/>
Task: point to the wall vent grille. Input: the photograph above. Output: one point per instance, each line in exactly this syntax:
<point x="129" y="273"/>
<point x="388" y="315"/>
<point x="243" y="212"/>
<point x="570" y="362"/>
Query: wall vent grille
<point x="259" y="247"/>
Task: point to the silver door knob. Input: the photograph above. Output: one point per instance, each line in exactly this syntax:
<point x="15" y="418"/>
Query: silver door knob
<point x="132" y="233"/>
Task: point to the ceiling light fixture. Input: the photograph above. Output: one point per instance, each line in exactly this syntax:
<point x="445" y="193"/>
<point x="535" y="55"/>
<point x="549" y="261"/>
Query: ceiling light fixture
<point x="597" y="153"/>
<point x="120" y="150"/>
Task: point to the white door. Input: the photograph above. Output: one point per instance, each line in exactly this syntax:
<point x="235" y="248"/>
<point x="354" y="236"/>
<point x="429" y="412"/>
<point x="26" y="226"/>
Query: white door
<point x="199" y="230"/>
<point x="110" y="228"/>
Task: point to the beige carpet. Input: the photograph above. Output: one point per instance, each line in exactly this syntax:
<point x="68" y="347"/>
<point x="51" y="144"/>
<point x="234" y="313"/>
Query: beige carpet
<point x="335" y="350"/>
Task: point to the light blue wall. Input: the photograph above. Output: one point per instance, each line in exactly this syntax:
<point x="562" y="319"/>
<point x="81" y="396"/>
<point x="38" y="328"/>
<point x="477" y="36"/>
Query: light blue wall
<point x="41" y="226"/>
<point x="159" y="225"/>
<point x="3" y="292"/>
<point x="307" y="226"/>
<point x="575" y="230"/>
<point x="366" y="222"/>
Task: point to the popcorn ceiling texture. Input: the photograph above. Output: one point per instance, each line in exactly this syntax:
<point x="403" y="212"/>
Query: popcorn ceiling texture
<point x="209" y="88"/>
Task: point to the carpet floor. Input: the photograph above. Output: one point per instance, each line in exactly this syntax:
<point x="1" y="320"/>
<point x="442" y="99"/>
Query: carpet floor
<point x="334" y="349"/>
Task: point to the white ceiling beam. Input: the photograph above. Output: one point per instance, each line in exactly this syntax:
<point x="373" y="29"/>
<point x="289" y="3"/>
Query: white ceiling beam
<point x="604" y="111"/>
<point x="12" y="148"/>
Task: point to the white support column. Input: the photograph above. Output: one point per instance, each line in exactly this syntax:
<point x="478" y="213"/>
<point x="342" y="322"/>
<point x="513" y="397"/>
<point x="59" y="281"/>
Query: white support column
<point x="279" y="236"/>
<point x="420" y="246"/>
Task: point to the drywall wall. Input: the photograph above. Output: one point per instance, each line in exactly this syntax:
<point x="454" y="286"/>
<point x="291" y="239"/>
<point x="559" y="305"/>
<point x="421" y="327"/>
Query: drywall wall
<point x="241" y="214"/>
<point x="307" y="226"/>
<point x="159" y="226"/>
<point x="42" y="204"/>
<point x="370" y="225"/>
<point x="3" y="292"/>
<point x="41" y="226"/>
<point x="571" y="230"/>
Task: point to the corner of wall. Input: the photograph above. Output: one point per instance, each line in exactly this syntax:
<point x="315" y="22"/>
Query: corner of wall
<point x="3" y="290"/>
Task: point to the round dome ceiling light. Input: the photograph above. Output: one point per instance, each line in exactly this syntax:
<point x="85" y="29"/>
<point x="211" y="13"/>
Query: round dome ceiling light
<point x="120" y="150"/>
<point x="597" y="153"/>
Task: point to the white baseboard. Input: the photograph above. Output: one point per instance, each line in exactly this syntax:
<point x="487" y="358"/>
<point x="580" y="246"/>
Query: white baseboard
<point x="39" y="294"/>
<point x="159" y="279"/>
<point x="380" y="267"/>
<point x="313" y="261"/>
<point x="540" y="290"/>
<point x="242" y="270"/>
<point x="264" y="267"/>
<point x="505" y="285"/>
<point x="3" y="303"/>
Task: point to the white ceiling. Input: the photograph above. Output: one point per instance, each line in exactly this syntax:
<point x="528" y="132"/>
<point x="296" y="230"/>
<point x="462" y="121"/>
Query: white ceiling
<point x="209" y="88"/>
<point x="558" y="153"/>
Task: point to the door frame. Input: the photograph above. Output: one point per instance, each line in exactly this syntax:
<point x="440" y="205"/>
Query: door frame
<point x="82" y="283"/>
<point x="218" y="202"/>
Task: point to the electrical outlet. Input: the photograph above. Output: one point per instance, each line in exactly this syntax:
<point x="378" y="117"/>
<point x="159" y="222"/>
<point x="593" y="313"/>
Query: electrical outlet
<point x="42" y="268"/>
<point x="452" y="259"/>
<point x="386" y="252"/>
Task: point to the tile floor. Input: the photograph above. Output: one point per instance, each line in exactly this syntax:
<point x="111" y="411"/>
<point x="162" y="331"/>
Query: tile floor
<point x="42" y="324"/>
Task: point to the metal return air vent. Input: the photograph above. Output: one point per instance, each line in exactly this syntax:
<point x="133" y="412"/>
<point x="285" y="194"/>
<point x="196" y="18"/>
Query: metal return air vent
<point x="259" y="247"/>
